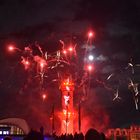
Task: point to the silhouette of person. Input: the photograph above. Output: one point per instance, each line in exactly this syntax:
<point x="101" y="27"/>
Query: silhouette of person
<point x="103" y="136"/>
<point x="34" y="135"/>
<point x="92" y="134"/>
<point x="42" y="130"/>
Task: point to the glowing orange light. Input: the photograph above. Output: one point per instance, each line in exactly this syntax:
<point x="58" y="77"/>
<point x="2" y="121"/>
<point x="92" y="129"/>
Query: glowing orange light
<point x="69" y="113"/>
<point x="67" y="83"/>
<point x="65" y="112"/>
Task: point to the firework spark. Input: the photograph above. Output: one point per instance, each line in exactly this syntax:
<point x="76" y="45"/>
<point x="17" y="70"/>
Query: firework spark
<point x="110" y="76"/>
<point x="134" y="89"/>
<point x="116" y="95"/>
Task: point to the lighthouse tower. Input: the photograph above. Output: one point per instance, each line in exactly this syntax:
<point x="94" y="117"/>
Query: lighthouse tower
<point x="67" y="88"/>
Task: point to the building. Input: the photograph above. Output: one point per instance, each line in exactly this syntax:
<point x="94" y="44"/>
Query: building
<point x="13" y="126"/>
<point x="132" y="133"/>
<point x="5" y="130"/>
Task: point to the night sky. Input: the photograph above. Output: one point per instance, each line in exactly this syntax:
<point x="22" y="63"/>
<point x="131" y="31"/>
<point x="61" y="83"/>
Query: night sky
<point x="117" y="32"/>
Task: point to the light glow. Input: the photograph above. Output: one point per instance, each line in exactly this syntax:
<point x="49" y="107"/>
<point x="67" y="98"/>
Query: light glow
<point x="90" y="34"/>
<point x="70" y="49"/>
<point x="91" y="57"/>
<point x="44" y="96"/>
<point x="11" y="48"/>
<point x="42" y="65"/>
<point x="89" y="68"/>
<point x="27" y="63"/>
<point x="64" y="52"/>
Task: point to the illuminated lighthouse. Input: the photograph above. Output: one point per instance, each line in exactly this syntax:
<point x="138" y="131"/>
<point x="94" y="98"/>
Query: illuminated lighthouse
<point x="67" y="88"/>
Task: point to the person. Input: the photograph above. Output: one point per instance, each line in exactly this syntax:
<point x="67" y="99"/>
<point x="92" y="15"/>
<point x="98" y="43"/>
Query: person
<point x="92" y="134"/>
<point x="34" y="135"/>
<point x="103" y="136"/>
<point x="42" y="130"/>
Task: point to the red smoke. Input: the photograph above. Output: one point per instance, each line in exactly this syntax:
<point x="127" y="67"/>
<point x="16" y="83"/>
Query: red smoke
<point x="98" y="119"/>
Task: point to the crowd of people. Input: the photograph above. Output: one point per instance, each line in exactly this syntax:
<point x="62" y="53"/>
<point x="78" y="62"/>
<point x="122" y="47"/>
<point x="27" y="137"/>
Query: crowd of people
<point x="91" y="134"/>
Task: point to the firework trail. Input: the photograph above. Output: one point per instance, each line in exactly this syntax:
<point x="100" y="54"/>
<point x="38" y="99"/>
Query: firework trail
<point x="117" y="95"/>
<point x="62" y="61"/>
<point x="110" y="76"/>
<point x="134" y="89"/>
<point x="131" y="65"/>
<point x="39" y="48"/>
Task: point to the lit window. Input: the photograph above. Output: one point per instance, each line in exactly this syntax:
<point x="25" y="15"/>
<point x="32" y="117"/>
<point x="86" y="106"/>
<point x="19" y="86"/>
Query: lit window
<point x="7" y="132"/>
<point x="4" y="132"/>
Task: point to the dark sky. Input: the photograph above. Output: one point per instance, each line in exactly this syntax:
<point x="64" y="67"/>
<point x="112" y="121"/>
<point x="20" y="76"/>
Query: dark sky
<point x="117" y="32"/>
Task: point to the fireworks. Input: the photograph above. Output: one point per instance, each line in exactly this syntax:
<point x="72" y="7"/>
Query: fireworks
<point x="91" y="57"/>
<point x="110" y="76"/>
<point x="25" y="62"/>
<point x="64" y="61"/>
<point x="44" y="97"/>
<point x="90" y="34"/>
<point x="134" y="89"/>
<point x="65" y="52"/>
<point x="72" y="61"/>
<point x="131" y="66"/>
<point x="70" y="49"/>
<point x="43" y="62"/>
<point x="11" y="48"/>
<point x="116" y="95"/>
